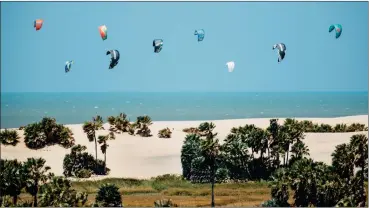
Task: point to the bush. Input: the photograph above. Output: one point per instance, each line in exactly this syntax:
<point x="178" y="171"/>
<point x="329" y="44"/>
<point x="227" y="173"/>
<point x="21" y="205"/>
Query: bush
<point x="81" y="164"/>
<point x="165" y="133"/>
<point x="109" y="196"/>
<point x="222" y="175"/>
<point x="270" y="203"/>
<point x="59" y="192"/>
<point x="47" y="132"/>
<point x="144" y="131"/>
<point x="191" y="130"/>
<point x="9" y="137"/>
<point x="164" y="203"/>
<point x="355" y="127"/>
<point x="83" y="173"/>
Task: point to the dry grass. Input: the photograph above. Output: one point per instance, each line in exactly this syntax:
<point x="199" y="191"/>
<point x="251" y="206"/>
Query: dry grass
<point x="143" y="193"/>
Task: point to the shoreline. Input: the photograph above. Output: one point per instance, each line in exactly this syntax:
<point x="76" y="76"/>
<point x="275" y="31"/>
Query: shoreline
<point x="142" y="158"/>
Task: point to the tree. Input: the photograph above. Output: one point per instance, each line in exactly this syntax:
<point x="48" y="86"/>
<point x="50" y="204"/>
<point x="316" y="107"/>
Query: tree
<point x="359" y="147"/>
<point x="9" y="137"/>
<point x="81" y="164"/>
<point x="292" y="131"/>
<point x="36" y="175"/>
<point x="206" y="130"/>
<point x="90" y="129"/>
<point x="275" y="143"/>
<point x="234" y="153"/>
<point x="143" y="123"/>
<point x="59" y="193"/>
<point x="299" y="150"/>
<point x="109" y="196"/>
<point x="190" y="150"/>
<point x="343" y="161"/>
<point x="210" y="150"/>
<point x="279" y="188"/>
<point x="12" y="179"/>
<point x="104" y="145"/>
<point x="120" y="124"/>
<point x="47" y="132"/>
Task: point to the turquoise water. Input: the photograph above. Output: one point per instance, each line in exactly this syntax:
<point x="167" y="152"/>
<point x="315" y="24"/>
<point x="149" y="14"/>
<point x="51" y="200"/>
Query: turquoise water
<point x="69" y="108"/>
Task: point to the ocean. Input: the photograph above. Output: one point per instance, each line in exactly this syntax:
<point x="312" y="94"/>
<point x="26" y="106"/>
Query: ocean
<point x="19" y="109"/>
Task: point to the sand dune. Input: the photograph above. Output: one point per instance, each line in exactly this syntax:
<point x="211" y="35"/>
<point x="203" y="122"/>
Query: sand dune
<point x="137" y="157"/>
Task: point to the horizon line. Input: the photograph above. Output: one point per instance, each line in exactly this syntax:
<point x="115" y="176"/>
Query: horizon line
<point x="307" y="91"/>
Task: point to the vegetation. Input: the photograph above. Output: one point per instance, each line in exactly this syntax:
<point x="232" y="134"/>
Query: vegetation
<point x="121" y="124"/>
<point x="253" y="166"/>
<point x="142" y="125"/>
<point x="80" y="164"/>
<point x="165" y="133"/>
<point x="9" y="137"/>
<point x="59" y="193"/>
<point x="164" y="203"/>
<point x="310" y="127"/>
<point x="109" y="196"/>
<point x="46" y="133"/>
<point x="282" y="160"/>
<point x="91" y="128"/>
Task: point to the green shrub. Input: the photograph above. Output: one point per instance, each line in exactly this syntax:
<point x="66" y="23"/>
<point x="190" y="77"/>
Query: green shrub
<point x="109" y="196"/>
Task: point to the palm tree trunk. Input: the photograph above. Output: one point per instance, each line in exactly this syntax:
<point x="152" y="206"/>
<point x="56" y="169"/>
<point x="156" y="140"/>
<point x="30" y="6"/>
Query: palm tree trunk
<point x="35" y="196"/>
<point x="105" y="160"/>
<point x="363" y="198"/>
<point x="212" y="186"/>
<point x="288" y="151"/>
<point x="35" y="201"/>
<point x="15" y="200"/>
<point x="95" y="151"/>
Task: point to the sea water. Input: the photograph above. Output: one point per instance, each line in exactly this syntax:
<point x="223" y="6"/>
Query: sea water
<point x="19" y="109"/>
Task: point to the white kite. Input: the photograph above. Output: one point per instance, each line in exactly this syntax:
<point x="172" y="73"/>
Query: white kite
<point x="230" y="66"/>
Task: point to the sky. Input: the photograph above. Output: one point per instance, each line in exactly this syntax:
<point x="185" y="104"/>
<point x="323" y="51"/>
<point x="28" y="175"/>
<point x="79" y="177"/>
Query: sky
<point x="243" y="32"/>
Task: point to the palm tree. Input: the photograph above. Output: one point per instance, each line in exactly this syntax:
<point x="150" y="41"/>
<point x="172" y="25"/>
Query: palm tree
<point x="36" y="175"/>
<point x="343" y="161"/>
<point x="210" y="151"/>
<point x="299" y="150"/>
<point x="190" y="150"/>
<point x="235" y="154"/>
<point x="90" y="129"/>
<point x="104" y="145"/>
<point x="120" y="123"/>
<point x="12" y="178"/>
<point x="206" y="130"/>
<point x="293" y="131"/>
<point x="359" y="146"/>
<point x="59" y="193"/>
<point x="9" y="137"/>
<point x="143" y="123"/>
<point x="275" y="143"/>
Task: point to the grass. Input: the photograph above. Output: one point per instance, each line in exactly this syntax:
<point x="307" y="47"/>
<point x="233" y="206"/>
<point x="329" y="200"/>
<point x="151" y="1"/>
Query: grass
<point x="143" y="193"/>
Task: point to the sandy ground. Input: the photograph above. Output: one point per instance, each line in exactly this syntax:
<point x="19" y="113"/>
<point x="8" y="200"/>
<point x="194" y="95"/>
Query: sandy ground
<point x="137" y="157"/>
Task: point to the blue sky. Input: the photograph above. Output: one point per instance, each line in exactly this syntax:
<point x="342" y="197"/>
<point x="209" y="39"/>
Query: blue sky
<point x="244" y="32"/>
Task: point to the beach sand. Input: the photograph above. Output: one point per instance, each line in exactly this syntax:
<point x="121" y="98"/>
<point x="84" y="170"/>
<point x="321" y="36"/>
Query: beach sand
<point x="138" y="157"/>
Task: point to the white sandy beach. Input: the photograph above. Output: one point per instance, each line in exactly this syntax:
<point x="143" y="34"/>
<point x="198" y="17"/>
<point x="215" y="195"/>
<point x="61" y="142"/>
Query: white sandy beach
<point x="138" y="157"/>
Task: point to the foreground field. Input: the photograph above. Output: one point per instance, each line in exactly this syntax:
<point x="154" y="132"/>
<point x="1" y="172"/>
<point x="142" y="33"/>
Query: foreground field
<point x="143" y="193"/>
